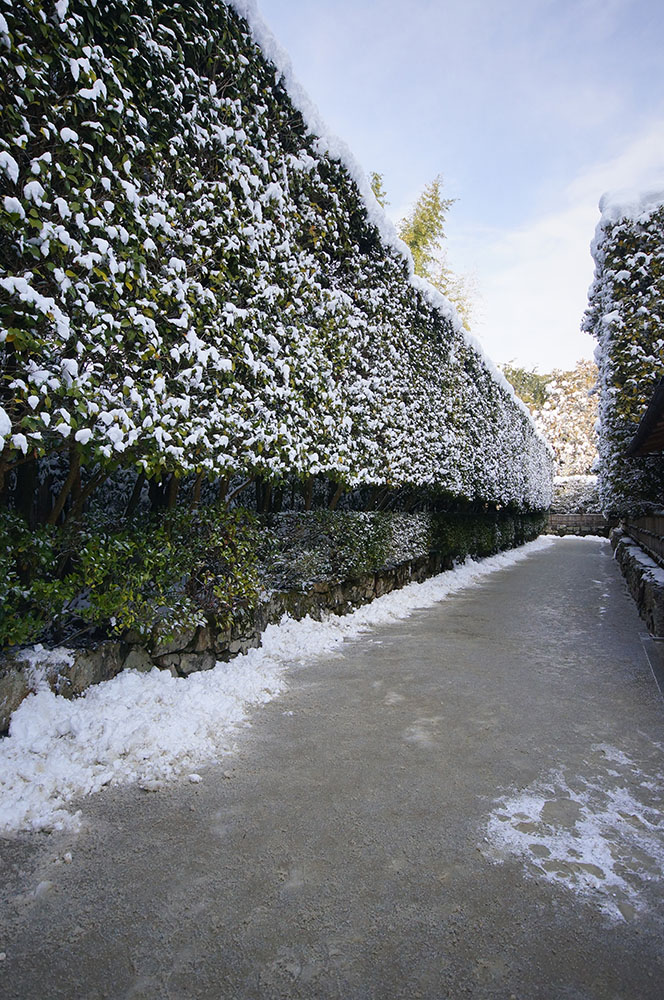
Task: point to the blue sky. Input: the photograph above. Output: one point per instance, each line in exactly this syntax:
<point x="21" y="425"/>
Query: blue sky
<point x="530" y="109"/>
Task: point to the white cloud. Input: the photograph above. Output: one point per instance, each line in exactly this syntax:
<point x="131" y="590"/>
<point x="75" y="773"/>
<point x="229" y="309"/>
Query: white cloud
<point x="534" y="279"/>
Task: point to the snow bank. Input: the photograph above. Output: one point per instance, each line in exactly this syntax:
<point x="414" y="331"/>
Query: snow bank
<point x="149" y="728"/>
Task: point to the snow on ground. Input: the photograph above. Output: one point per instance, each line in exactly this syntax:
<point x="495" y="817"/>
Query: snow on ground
<point x="577" y="538"/>
<point x="149" y="728"/>
<point x="601" y="836"/>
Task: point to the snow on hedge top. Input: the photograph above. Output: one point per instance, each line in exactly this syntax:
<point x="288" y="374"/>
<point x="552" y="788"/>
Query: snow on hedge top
<point x="327" y="142"/>
<point x="337" y="149"/>
<point x="632" y="203"/>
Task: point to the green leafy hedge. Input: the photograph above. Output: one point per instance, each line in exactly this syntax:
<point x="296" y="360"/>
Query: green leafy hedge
<point x="191" y="282"/>
<point x="170" y="571"/>
<point x="176" y="570"/>
<point x="299" y="549"/>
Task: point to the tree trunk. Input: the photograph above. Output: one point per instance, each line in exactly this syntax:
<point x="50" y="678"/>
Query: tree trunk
<point x="267" y="499"/>
<point x="157" y="499"/>
<point x="198" y="485"/>
<point x="336" y="497"/>
<point x="74" y="470"/>
<point x="223" y="489"/>
<point x="135" y="495"/>
<point x="238" y="489"/>
<point x="85" y="494"/>
<point x="173" y="490"/>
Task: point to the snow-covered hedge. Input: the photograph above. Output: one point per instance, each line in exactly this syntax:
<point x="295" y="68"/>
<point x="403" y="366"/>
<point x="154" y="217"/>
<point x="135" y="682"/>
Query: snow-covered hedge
<point x="576" y="495"/>
<point x="626" y="315"/>
<point x="194" y="281"/>
<point x="568" y="417"/>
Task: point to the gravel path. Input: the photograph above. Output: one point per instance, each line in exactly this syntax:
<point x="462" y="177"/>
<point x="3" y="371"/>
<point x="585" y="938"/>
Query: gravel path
<point x="467" y="803"/>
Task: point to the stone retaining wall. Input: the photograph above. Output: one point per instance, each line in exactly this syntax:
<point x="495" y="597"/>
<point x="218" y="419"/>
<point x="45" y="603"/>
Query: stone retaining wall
<point x="648" y="532"/>
<point x="578" y="524"/>
<point x="69" y="672"/>
<point x="645" y="580"/>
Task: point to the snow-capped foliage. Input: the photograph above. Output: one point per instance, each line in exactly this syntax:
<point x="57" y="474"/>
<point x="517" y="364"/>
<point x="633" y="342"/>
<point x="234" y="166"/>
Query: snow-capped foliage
<point x="625" y="314"/>
<point x="576" y="495"/>
<point x="568" y="417"/>
<point x="564" y="407"/>
<point x="193" y="281"/>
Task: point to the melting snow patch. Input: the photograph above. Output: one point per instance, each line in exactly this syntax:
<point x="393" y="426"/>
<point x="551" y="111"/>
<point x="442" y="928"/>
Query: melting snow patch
<point x="149" y="728"/>
<point x="600" y="836"/>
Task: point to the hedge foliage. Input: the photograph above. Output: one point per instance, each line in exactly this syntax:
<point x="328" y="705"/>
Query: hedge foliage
<point x="626" y="315"/>
<point x="299" y="549"/>
<point x="169" y="572"/>
<point x="191" y="285"/>
<point x="576" y="495"/>
<point x="177" y="570"/>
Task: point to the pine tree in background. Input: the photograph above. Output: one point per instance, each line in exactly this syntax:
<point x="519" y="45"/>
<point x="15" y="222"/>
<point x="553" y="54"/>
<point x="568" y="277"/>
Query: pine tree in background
<point x="378" y="188"/>
<point x="423" y="231"/>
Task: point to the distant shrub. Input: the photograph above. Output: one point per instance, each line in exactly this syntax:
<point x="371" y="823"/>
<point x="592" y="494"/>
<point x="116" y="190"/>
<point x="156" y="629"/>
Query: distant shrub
<point x="576" y="495"/>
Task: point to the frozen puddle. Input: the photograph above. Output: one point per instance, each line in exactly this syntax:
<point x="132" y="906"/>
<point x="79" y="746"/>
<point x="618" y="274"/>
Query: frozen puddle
<point x="602" y="837"/>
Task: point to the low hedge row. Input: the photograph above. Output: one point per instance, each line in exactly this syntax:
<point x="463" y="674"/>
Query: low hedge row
<point x="178" y="569"/>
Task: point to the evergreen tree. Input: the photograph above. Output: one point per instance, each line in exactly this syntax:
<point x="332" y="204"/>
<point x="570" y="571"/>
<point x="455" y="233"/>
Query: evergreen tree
<point x="530" y="386"/>
<point x="423" y="231"/>
<point x="378" y="188"/>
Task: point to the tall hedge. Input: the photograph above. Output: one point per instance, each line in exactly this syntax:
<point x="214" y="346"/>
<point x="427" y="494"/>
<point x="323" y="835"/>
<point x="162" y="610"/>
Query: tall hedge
<point x="626" y="315"/>
<point x="192" y="282"/>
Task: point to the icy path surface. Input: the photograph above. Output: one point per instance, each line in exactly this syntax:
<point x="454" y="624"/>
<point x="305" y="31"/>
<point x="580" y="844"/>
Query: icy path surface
<point x="598" y="834"/>
<point x="149" y="728"/>
<point x="448" y="799"/>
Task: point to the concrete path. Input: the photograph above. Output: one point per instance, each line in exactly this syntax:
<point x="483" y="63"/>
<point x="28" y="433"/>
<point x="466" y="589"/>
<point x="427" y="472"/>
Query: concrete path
<point x="464" y="804"/>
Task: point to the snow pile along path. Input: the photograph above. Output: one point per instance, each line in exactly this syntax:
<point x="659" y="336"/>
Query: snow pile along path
<point x="153" y="727"/>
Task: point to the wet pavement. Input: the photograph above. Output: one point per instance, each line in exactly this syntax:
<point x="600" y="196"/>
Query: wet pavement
<point x="467" y="803"/>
